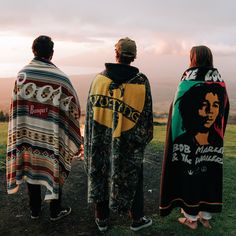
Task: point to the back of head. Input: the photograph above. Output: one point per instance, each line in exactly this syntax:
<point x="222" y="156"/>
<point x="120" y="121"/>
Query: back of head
<point x="201" y="56"/>
<point x="126" y="50"/>
<point x="43" y="47"/>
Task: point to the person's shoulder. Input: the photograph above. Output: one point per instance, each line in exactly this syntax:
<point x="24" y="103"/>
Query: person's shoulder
<point x="143" y="79"/>
<point x="207" y="74"/>
<point x="59" y="76"/>
<point x="63" y="76"/>
<point x="61" y="73"/>
<point x="101" y="77"/>
<point x="142" y="76"/>
<point x="213" y="75"/>
<point x="26" y="67"/>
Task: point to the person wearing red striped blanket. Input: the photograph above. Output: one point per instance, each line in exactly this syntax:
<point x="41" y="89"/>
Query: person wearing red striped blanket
<point x="44" y="131"/>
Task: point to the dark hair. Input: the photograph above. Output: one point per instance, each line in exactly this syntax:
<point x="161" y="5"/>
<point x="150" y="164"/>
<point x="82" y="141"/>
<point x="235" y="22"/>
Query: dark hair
<point x="191" y="101"/>
<point x="43" y="47"/>
<point x="124" y="59"/>
<point x="201" y="56"/>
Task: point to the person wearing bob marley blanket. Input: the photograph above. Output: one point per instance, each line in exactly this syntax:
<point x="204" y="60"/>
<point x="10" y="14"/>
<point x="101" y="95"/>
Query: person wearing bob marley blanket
<point x="119" y="125"/>
<point x="192" y="169"/>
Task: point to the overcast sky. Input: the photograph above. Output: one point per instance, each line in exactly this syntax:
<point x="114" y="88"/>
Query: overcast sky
<point x="85" y="32"/>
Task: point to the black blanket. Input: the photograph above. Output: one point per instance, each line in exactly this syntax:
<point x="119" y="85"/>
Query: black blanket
<point x="192" y="170"/>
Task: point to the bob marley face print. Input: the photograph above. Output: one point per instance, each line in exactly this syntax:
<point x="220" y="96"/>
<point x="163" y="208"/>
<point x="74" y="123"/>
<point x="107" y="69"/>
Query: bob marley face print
<point x="209" y="109"/>
<point x="198" y="108"/>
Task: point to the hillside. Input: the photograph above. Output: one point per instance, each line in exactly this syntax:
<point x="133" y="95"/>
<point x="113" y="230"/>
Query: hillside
<point x="5" y="93"/>
<point x="162" y="91"/>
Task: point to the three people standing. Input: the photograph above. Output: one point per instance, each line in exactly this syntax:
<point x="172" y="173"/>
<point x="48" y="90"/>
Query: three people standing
<point x="44" y="136"/>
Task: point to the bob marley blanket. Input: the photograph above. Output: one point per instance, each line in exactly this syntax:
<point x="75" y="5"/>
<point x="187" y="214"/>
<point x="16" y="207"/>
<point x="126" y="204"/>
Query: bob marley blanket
<point x="119" y="124"/>
<point x="44" y="132"/>
<point x="193" y="158"/>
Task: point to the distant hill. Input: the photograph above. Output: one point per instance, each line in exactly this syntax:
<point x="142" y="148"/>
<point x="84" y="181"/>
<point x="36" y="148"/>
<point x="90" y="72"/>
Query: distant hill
<point x="80" y="82"/>
<point x="162" y="92"/>
<point x="6" y="87"/>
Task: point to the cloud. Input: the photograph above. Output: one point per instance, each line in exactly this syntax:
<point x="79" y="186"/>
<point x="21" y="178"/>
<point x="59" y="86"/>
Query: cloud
<point x="85" y="31"/>
<point x="224" y="50"/>
<point x="81" y="21"/>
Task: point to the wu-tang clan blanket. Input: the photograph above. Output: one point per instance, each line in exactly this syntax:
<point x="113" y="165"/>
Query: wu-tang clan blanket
<point x="118" y="127"/>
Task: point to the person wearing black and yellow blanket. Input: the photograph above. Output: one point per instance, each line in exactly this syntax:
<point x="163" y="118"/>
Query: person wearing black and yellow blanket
<point x="192" y="169"/>
<point x="119" y="125"/>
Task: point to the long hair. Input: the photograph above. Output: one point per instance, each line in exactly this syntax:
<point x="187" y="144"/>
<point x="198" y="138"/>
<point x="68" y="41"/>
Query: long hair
<point x="201" y="56"/>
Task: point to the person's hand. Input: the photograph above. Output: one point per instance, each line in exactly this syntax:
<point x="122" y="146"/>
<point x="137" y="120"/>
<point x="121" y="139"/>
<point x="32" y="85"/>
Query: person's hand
<point x="81" y="153"/>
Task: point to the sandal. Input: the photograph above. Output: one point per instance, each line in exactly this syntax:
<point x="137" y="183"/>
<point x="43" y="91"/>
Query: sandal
<point x="205" y="223"/>
<point x="191" y="224"/>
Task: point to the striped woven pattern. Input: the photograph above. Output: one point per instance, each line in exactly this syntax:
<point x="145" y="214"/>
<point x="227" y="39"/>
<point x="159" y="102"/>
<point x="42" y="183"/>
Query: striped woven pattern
<point x="44" y="132"/>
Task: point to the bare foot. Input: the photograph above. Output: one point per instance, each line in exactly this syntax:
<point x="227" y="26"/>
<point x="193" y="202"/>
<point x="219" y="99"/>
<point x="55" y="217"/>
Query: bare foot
<point x="188" y="223"/>
<point x="205" y="223"/>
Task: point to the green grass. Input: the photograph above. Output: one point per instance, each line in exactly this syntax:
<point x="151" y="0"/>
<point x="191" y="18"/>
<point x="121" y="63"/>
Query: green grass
<point x="3" y="143"/>
<point x="230" y="141"/>
<point x="223" y="224"/>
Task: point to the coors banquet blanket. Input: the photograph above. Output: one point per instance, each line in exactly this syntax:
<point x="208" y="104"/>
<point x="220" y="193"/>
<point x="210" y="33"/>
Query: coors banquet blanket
<point x="44" y="131"/>
<point x="193" y="161"/>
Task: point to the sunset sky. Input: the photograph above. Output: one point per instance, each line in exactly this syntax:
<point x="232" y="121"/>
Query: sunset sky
<point x="85" y="32"/>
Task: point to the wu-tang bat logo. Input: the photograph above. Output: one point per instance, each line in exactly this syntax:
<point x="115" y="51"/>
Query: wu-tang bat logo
<point x="119" y="111"/>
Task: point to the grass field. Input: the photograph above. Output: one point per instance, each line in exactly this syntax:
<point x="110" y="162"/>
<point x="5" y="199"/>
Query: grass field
<point x="3" y="143"/>
<point x="223" y="224"/>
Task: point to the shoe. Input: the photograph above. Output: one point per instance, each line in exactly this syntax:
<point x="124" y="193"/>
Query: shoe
<point x="189" y="223"/>
<point x="63" y="212"/>
<point x="205" y="223"/>
<point x="34" y="215"/>
<point x="142" y="223"/>
<point x="102" y="224"/>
